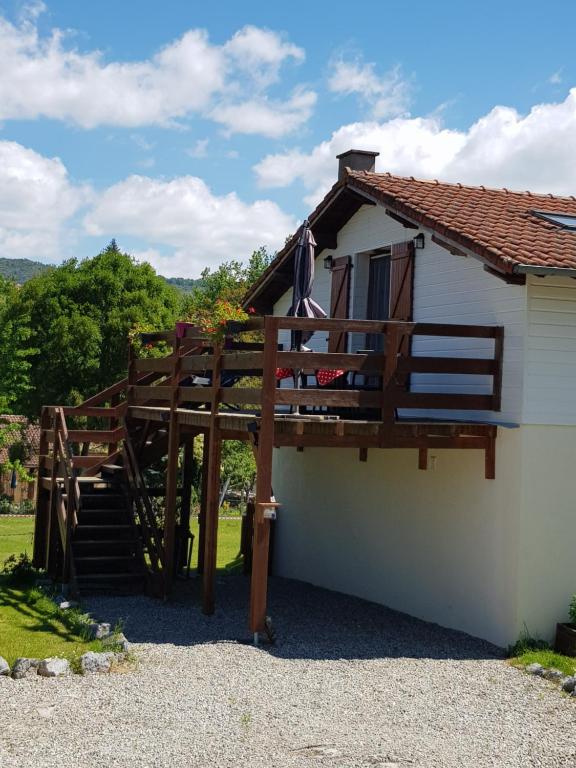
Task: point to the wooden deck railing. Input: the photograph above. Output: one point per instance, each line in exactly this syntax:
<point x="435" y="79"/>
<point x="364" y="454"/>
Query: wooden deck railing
<point x="391" y="369"/>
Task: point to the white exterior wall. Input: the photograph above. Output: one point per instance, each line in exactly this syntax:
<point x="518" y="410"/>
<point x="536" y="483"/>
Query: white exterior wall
<point x="484" y="556"/>
<point x="550" y="384"/>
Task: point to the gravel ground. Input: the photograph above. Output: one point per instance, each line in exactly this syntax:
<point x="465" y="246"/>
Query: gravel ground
<point x="349" y="684"/>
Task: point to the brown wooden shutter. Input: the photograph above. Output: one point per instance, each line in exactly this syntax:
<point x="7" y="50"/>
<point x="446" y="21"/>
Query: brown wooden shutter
<point x="401" y="280"/>
<point x="401" y="284"/>
<point x="340" y="302"/>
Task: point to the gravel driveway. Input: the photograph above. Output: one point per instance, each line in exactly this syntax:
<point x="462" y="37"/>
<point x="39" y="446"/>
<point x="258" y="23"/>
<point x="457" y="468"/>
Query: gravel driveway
<point x="349" y="684"/>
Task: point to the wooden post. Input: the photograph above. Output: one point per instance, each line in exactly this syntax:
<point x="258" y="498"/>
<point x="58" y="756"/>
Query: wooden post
<point x="203" y="500"/>
<point x="422" y="458"/>
<point x="171" y="475"/>
<point x="212" y="489"/>
<point x="187" y="477"/>
<point x="261" y="540"/>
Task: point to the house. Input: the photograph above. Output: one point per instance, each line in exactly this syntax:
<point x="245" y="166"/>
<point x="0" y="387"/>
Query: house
<point x="23" y="436"/>
<point x="492" y="557"/>
<point x="431" y="474"/>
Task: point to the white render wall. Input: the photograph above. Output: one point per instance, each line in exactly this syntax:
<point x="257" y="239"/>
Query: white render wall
<point x="484" y="556"/>
<point x="550" y="372"/>
<point x="438" y="544"/>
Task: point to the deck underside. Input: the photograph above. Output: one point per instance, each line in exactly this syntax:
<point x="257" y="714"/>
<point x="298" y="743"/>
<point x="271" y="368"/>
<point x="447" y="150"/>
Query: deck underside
<point x="318" y="431"/>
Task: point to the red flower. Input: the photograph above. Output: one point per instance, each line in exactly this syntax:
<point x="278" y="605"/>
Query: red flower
<point x="148" y="346"/>
<point x="251" y="311"/>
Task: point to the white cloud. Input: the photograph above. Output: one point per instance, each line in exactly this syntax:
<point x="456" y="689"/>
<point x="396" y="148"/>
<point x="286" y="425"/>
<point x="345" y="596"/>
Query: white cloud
<point x="504" y="148"/>
<point x="261" y="52"/>
<point x="556" y="77"/>
<point x="266" y="118"/>
<point x="45" y="76"/>
<point x="199" y="150"/>
<point x="200" y="229"/>
<point x="37" y="199"/>
<point x="386" y="96"/>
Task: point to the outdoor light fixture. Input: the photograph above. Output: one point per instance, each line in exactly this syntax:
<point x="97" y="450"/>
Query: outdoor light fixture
<point x="329" y="261"/>
<point x="419" y="240"/>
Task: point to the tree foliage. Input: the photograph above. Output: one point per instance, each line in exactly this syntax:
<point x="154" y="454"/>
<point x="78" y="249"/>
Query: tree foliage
<point x="80" y="316"/>
<point x="16" y="350"/>
<point x="228" y="283"/>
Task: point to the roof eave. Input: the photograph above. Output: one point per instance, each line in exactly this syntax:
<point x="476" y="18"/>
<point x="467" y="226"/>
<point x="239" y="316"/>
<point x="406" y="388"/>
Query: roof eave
<point x="541" y="271"/>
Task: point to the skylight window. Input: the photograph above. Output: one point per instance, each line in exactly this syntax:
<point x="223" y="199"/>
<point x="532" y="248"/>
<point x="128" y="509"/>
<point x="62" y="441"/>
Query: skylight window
<point x="564" y="220"/>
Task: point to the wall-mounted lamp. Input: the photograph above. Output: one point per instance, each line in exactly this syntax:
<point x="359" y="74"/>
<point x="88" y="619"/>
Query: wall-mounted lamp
<point x="419" y="240"/>
<point x="328" y="261"/>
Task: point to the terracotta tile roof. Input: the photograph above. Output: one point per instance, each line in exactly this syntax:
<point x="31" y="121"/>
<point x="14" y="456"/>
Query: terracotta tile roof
<point x="30" y="435"/>
<point x="497" y="224"/>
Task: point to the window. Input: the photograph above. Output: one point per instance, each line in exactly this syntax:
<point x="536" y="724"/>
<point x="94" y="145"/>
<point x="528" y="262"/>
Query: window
<point x="564" y="220"/>
<point x="378" y="296"/>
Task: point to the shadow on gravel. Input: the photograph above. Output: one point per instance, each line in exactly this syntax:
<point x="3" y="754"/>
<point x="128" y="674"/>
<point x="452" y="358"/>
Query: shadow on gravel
<point x="310" y="623"/>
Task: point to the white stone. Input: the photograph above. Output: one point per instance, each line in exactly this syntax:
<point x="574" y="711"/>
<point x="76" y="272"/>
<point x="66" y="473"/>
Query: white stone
<point x="53" y="667"/>
<point x="93" y="663"/>
<point x="4" y="666"/>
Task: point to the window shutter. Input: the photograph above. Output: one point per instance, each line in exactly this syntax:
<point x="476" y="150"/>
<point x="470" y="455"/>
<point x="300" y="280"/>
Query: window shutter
<point x="340" y="302"/>
<point x="401" y="280"/>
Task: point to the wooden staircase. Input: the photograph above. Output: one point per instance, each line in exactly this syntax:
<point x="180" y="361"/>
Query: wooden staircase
<point x="106" y="548"/>
<point x="96" y="528"/>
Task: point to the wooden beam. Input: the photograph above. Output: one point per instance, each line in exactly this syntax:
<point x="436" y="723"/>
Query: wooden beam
<point x="510" y="278"/>
<point x="171" y="474"/>
<point x="212" y="492"/>
<point x="186" y="496"/>
<point x="401" y="219"/>
<point x="261" y="536"/>
<point x="203" y="502"/>
<point x="490" y="459"/>
<point x="423" y="458"/>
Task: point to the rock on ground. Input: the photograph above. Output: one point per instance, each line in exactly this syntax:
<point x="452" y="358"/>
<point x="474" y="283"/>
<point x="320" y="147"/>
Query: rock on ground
<point x="53" y="667"/>
<point x="4" y="666"/>
<point x="349" y="684"/>
<point x="23" y="667"/>
<point x="91" y="662"/>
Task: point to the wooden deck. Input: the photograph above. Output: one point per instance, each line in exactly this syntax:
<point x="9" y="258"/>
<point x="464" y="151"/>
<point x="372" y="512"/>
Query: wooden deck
<point x="160" y="408"/>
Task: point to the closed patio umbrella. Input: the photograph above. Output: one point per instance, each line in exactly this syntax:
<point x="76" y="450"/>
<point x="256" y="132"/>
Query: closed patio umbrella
<point x="302" y="303"/>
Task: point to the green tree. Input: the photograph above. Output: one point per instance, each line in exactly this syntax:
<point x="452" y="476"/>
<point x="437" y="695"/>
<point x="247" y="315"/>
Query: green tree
<point x="15" y="347"/>
<point x="229" y="282"/>
<point x="80" y="316"/>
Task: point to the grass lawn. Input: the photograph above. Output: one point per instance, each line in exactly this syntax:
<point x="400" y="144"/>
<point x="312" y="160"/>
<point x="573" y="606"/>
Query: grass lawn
<point x="547" y="658"/>
<point x="15" y="536"/>
<point x="31" y="625"/>
<point x="228" y="559"/>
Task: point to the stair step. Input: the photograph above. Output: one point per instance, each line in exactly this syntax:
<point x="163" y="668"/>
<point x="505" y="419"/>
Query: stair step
<point x="96" y="547"/>
<point x="102" y="500"/>
<point x="102" y="565"/>
<point x="118" y="531"/>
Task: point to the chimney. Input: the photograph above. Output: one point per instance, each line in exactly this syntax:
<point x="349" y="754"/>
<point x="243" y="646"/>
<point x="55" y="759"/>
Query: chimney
<point x="356" y="160"/>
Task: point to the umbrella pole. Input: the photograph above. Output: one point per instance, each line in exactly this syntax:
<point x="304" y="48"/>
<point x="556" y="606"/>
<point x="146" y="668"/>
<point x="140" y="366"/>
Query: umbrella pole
<point x="297" y="371"/>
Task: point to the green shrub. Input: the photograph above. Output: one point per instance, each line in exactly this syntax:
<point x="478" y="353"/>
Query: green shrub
<point x="526" y="643"/>
<point x="19" y="569"/>
<point x="572" y="610"/>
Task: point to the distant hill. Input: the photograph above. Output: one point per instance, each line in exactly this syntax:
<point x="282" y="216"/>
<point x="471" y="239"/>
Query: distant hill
<point x="21" y="270"/>
<point x="184" y="284"/>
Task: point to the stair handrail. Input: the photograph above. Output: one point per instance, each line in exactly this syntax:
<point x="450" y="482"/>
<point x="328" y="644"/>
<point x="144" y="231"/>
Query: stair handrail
<point x="63" y="458"/>
<point x="143" y="505"/>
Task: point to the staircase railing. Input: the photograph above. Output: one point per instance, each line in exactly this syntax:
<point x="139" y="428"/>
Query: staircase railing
<point x="142" y="506"/>
<point x="65" y="497"/>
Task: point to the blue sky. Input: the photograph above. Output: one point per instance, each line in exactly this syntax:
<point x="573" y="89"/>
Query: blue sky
<point x="194" y="132"/>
